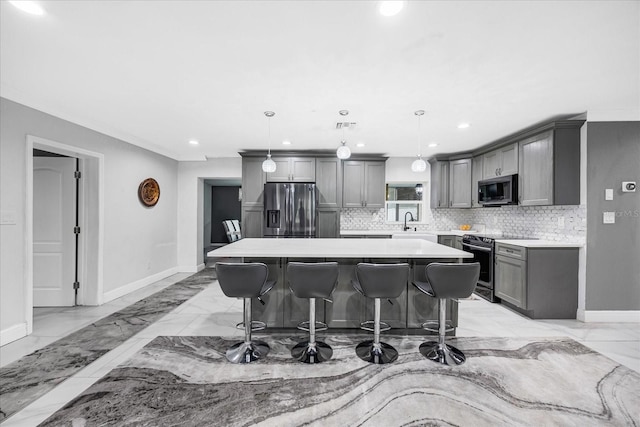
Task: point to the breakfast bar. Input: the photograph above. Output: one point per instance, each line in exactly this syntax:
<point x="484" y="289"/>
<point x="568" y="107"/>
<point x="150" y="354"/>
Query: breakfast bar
<point x="347" y="308"/>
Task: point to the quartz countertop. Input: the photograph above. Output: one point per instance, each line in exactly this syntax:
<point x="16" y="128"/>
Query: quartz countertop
<point x="539" y="243"/>
<point x="337" y="248"/>
<point x="367" y="232"/>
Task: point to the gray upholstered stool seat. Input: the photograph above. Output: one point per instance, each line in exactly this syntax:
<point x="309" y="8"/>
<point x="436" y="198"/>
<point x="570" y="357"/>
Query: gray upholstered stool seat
<point x="379" y="281"/>
<point x="312" y="280"/>
<point x="446" y="280"/>
<point x="247" y="281"/>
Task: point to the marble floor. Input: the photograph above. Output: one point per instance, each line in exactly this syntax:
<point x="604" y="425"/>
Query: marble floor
<point x="210" y="313"/>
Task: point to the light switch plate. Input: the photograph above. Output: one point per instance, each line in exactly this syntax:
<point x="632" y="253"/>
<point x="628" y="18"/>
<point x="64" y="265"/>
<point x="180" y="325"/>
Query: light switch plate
<point x="608" y="194"/>
<point x="560" y="222"/>
<point x="608" y="217"/>
<point x="8" y="218"/>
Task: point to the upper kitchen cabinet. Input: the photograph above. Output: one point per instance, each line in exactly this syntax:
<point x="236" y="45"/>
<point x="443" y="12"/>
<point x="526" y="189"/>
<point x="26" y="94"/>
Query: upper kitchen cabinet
<point x="502" y="161"/>
<point x="253" y="179"/>
<point x="476" y="175"/>
<point x="460" y="183"/>
<point x="549" y="170"/>
<point x="363" y="183"/>
<point x="439" y="183"/>
<point x="329" y="182"/>
<point x="293" y="169"/>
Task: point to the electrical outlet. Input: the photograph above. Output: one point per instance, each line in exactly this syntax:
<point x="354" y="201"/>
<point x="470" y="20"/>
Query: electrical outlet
<point x="608" y="194"/>
<point x="608" y="217"/>
<point x="561" y="222"/>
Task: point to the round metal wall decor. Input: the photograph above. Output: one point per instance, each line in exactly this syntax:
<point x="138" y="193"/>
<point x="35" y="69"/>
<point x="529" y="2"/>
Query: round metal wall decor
<point x="149" y="192"/>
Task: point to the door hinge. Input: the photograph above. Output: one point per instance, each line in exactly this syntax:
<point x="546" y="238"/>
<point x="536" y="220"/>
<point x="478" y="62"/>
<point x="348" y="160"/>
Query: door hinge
<point x="76" y="285"/>
<point x="77" y="174"/>
<point x="76" y="230"/>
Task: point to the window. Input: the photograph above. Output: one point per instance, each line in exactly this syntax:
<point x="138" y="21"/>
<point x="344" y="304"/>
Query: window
<point x="405" y="199"/>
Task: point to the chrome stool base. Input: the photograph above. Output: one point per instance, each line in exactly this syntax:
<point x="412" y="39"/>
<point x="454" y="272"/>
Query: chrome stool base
<point x="380" y="353"/>
<point x="307" y="352"/>
<point x="444" y="354"/>
<point x="244" y="352"/>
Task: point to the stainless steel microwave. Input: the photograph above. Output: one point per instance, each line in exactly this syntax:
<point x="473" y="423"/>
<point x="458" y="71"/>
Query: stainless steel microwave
<point x="498" y="191"/>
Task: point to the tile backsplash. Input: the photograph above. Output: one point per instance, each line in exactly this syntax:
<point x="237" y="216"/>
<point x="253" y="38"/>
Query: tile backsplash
<point x="556" y="223"/>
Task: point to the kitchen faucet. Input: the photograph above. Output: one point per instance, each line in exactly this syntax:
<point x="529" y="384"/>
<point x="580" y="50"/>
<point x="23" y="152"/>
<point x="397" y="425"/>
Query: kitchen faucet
<point x="405" y="228"/>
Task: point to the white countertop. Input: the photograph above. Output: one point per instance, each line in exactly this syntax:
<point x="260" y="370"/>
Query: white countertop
<point x="539" y="243"/>
<point x="367" y="232"/>
<point x="392" y="232"/>
<point x="337" y="248"/>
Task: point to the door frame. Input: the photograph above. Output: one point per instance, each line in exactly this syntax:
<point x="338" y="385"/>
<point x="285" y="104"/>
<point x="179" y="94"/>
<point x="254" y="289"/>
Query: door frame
<point x="90" y="219"/>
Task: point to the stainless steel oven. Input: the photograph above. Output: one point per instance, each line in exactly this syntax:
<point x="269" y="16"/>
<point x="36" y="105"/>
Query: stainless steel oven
<point x="482" y="249"/>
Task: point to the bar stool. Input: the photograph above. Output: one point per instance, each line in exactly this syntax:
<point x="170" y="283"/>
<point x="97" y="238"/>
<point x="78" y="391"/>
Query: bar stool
<point x="446" y="280"/>
<point x="312" y="280"/>
<point x="247" y="281"/>
<point x="379" y="281"/>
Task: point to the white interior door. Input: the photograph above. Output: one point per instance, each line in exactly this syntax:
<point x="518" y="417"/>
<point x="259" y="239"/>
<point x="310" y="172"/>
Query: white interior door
<point x="54" y="211"/>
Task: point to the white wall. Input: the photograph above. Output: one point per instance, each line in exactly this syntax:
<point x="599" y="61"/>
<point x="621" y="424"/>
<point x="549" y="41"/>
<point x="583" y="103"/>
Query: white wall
<point x="398" y="169"/>
<point x="191" y="176"/>
<point x="139" y="243"/>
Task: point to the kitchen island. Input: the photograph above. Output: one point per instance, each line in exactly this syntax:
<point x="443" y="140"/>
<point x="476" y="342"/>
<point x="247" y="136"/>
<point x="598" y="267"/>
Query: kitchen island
<point x="348" y="308"/>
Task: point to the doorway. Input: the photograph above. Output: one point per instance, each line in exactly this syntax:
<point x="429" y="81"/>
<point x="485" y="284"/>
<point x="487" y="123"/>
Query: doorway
<point x="222" y="200"/>
<point x="55" y="215"/>
<point x="89" y="200"/>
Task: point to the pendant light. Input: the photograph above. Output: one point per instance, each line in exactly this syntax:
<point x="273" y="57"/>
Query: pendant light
<point x="419" y="165"/>
<point x="269" y="165"/>
<point x="343" y="152"/>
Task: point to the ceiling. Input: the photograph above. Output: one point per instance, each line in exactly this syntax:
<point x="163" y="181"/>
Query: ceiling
<point x="159" y="73"/>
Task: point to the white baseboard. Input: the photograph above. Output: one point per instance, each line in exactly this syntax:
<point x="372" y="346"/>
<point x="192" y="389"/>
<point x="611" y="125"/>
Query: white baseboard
<point x="623" y="316"/>
<point x="138" y="284"/>
<point x="13" y="333"/>
<point x="191" y="268"/>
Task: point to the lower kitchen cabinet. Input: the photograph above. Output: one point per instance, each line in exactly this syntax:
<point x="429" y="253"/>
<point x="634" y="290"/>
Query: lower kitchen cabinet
<point x="541" y="283"/>
<point x="252" y="221"/>
<point x="328" y="223"/>
<point x="452" y="241"/>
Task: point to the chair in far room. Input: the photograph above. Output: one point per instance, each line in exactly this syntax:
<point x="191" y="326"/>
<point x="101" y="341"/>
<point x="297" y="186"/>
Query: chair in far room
<point x="245" y="280"/>
<point x="232" y="228"/>
<point x="446" y="280"/>
<point x="312" y="280"/>
<point x="379" y="281"/>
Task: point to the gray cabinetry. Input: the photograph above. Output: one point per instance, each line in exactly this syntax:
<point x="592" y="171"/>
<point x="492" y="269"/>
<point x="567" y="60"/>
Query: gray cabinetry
<point x="541" y="283"/>
<point x="550" y="168"/>
<point x="460" y="183"/>
<point x="329" y="222"/>
<point x="452" y="241"/>
<point x="510" y="278"/>
<point x="252" y="221"/>
<point x="253" y="179"/>
<point x="293" y="169"/>
<point x="329" y="182"/>
<point x="476" y="175"/>
<point x="501" y="161"/>
<point x="363" y="184"/>
<point x="439" y="184"/>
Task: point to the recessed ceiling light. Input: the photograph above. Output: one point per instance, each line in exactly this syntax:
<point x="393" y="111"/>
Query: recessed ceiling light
<point x="433" y="144"/>
<point x="390" y="8"/>
<point x="193" y="142"/>
<point x="463" y="125"/>
<point x="360" y="144"/>
<point x="29" y="7"/>
<point x="286" y="142"/>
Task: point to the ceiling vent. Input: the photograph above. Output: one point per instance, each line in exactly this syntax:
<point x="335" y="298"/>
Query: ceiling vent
<point x="345" y="125"/>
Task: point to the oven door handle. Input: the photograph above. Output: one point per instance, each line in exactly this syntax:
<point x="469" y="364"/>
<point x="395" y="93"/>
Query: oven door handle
<point x="480" y="248"/>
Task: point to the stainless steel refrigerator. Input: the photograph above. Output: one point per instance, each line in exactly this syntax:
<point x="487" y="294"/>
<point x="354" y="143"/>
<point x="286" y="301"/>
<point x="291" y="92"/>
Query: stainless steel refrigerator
<point x="290" y="209"/>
